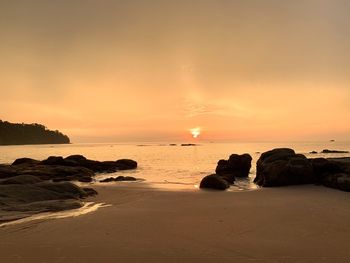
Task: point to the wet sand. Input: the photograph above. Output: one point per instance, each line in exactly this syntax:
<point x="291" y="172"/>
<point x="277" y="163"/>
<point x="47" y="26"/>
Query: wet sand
<point x="289" y="224"/>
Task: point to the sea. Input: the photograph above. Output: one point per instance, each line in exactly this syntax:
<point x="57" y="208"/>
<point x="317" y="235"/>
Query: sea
<point x="168" y="166"/>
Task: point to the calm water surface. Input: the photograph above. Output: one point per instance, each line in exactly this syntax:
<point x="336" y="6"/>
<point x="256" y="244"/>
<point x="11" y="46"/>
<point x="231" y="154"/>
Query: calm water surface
<point x="167" y="166"/>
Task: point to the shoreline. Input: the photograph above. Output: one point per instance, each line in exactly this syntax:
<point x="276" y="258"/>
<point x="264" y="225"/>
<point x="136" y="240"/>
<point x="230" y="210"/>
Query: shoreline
<point x="282" y="224"/>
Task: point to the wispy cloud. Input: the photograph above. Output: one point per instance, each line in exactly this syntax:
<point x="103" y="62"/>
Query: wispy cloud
<point x="194" y="109"/>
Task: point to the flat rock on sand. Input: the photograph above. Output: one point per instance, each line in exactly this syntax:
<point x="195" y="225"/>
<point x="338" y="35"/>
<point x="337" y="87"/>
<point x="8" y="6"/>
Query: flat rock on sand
<point x="25" y="195"/>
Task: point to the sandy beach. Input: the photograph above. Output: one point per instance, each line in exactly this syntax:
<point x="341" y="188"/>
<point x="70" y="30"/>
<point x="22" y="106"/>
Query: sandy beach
<point x="289" y="224"/>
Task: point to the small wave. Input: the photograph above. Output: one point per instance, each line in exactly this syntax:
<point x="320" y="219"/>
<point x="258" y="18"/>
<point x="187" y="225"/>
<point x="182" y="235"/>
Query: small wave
<point x="88" y="207"/>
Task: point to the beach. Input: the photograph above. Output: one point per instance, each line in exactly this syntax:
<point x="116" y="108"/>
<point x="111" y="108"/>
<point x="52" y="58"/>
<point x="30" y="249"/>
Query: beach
<point x="144" y="224"/>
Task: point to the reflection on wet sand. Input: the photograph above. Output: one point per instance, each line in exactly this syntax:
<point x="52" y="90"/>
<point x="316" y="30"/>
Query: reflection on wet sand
<point x="88" y="207"/>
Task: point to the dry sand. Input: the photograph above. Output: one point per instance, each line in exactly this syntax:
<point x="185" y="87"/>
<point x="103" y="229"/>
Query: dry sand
<point x="289" y="224"/>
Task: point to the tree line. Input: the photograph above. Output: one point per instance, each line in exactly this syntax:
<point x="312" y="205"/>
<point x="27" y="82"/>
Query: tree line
<point x="21" y="133"/>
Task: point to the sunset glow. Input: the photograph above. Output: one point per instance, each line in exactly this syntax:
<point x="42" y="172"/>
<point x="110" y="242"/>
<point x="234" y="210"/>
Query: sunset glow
<point x="127" y="73"/>
<point x="195" y="132"/>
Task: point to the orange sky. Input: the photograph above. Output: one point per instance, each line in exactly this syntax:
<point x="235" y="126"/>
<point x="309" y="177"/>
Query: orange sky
<point x="245" y="70"/>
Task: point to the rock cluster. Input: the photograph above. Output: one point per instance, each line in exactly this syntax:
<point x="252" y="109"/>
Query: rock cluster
<point x="283" y="166"/>
<point x="29" y="186"/>
<point x="226" y="172"/>
<point x="71" y="168"/>
<point x="280" y="167"/>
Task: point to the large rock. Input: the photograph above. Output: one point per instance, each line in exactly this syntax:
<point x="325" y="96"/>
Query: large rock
<point x="26" y="161"/>
<point x="21" y="179"/>
<point x="236" y="166"/>
<point x="214" y="181"/>
<point x="25" y="195"/>
<point x="96" y="166"/>
<point x="323" y="168"/>
<point x="339" y="181"/>
<point x="281" y="167"/>
<point x="7" y="171"/>
<point x="126" y="164"/>
<point x="56" y="172"/>
<point x="333" y="172"/>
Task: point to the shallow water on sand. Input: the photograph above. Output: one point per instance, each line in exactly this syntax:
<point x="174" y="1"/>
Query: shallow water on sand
<point x="165" y="166"/>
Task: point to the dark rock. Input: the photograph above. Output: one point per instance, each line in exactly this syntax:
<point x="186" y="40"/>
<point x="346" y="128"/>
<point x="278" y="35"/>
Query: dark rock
<point x="7" y="171"/>
<point x="339" y="181"/>
<point x="230" y="178"/>
<point x="107" y="180"/>
<point x="27" y="161"/>
<point x="57" y="169"/>
<point x="235" y="166"/>
<point x="50" y="172"/>
<point x="241" y="164"/>
<point x="343" y="163"/>
<point x="76" y="158"/>
<point x="96" y="166"/>
<point x="334" y="151"/>
<point x="214" y="182"/>
<point x="313" y="152"/>
<point x="188" y="144"/>
<point x="54" y="160"/>
<point x="90" y="191"/>
<point x="42" y="191"/>
<point x="276" y="154"/>
<point x="126" y="164"/>
<point x="333" y="172"/>
<point x="118" y="179"/>
<point x="66" y="190"/>
<point x="21" y="179"/>
<point x="323" y="167"/>
<point x="85" y="179"/>
<point x="281" y="167"/>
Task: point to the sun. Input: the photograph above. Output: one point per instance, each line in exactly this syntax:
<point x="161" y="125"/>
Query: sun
<point x="195" y="132"/>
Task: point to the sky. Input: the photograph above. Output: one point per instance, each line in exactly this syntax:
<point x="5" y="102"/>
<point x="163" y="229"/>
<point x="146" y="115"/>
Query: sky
<point x="151" y="70"/>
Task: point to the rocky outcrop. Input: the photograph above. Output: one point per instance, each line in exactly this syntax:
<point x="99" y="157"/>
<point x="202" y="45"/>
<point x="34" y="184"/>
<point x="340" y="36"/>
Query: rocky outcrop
<point x="126" y="164"/>
<point x="25" y="195"/>
<point x="226" y="172"/>
<point x="236" y="166"/>
<point x="118" y="179"/>
<point x="333" y="172"/>
<point x="29" y="186"/>
<point x="96" y="166"/>
<point x="214" y="181"/>
<point x="71" y="168"/>
<point x="55" y="172"/>
<point x="283" y="166"/>
<point x="27" y="161"/>
<point x="333" y="151"/>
